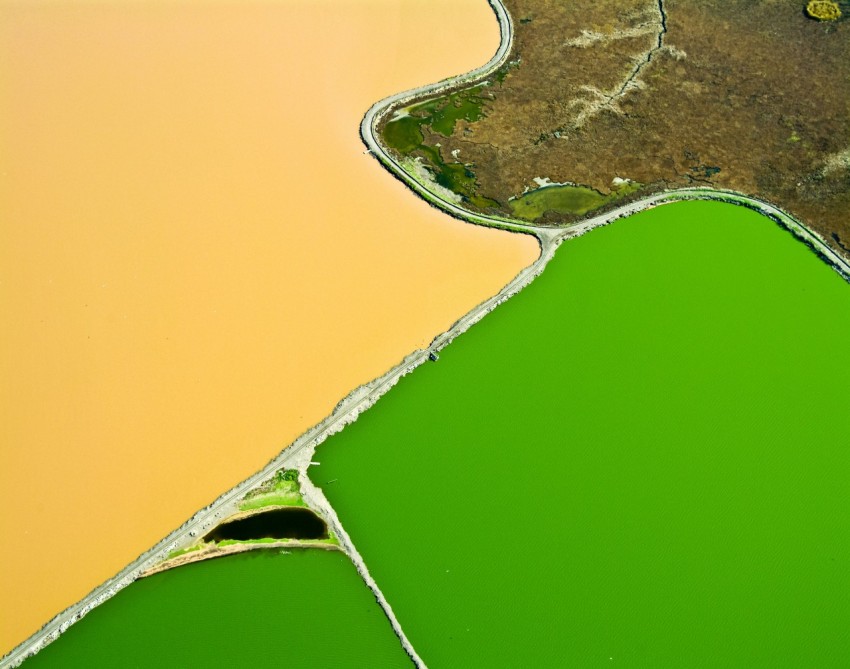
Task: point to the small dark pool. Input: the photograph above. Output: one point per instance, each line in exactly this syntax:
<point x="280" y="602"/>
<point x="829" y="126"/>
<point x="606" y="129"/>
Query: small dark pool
<point x="287" y="523"/>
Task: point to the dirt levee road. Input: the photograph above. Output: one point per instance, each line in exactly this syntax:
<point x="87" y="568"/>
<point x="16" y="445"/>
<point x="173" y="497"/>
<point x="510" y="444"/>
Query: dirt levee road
<point x="197" y="260"/>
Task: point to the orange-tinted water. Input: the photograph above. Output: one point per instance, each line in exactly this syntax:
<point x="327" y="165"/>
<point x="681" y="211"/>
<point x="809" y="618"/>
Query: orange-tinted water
<point x="196" y="258"/>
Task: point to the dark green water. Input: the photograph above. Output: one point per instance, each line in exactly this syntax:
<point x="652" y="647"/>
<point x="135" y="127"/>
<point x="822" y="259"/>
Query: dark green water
<point x="282" y="523"/>
<point x="640" y="461"/>
<point x="306" y="609"/>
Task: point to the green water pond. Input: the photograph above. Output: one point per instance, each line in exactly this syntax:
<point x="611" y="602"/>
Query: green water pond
<point x="642" y="460"/>
<point x="304" y="609"/>
<point x="566" y="199"/>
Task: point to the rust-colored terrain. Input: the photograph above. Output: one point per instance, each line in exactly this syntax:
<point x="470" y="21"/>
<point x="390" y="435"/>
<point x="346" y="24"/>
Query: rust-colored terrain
<point x="752" y="96"/>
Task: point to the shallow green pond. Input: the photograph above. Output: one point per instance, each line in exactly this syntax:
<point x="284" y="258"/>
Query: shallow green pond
<point x="462" y="105"/>
<point x="641" y="460"/>
<point x="565" y="199"/>
<point x="305" y="609"/>
<point x="568" y="199"/>
<point x="404" y="134"/>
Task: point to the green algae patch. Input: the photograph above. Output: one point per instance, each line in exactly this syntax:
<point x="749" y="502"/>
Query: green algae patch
<point x="272" y="499"/>
<point x="563" y="199"/>
<point x="465" y="104"/>
<point x="403" y="134"/>
<point x="657" y="399"/>
<point x="566" y="199"/>
<point x="235" y="542"/>
<point x="305" y="609"/>
<point x="823" y="10"/>
<point x="282" y="489"/>
<point x="456" y="177"/>
<point x="440" y="114"/>
<point x="330" y="540"/>
<point x="183" y="551"/>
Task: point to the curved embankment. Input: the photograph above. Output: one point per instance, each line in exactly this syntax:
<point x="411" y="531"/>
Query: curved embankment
<point x="216" y="552"/>
<point x="548" y="236"/>
<point x="216" y="548"/>
<point x="300" y="452"/>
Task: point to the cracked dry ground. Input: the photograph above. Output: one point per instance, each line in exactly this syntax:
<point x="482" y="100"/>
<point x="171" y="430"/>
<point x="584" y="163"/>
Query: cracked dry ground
<point x="747" y="95"/>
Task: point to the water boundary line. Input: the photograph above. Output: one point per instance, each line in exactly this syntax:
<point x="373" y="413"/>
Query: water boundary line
<point x="315" y="497"/>
<point x="297" y="454"/>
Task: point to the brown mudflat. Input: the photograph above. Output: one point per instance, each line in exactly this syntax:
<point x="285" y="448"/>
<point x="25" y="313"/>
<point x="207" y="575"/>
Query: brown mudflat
<point x="197" y="260"/>
<point x="732" y="94"/>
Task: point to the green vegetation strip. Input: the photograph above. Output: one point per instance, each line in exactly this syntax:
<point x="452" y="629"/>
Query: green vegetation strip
<point x="272" y="499"/>
<point x="404" y="134"/>
<point x="183" y="551"/>
<point x="235" y="542"/>
<point x="282" y="490"/>
<point x="658" y="400"/>
<point x="331" y="540"/>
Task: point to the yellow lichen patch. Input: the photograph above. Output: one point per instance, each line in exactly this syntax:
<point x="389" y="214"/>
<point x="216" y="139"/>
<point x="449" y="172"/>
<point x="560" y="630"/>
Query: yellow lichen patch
<point x="823" y="10"/>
